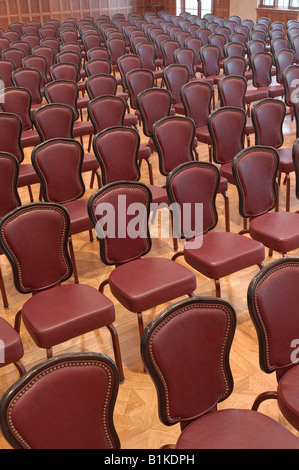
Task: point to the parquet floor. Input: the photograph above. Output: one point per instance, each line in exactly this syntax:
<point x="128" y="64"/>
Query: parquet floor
<point x="136" y="417"/>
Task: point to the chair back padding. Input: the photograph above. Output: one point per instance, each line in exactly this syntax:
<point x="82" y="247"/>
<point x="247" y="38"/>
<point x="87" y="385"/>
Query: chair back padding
<point x="272" y="303"/>
<point x="106" y="111"/>
<point x="186" y="56"/>
<point x="210" y="58"/>
<point x="64" y="92"/>
<point x="110" y="205"/>
<point x="65" y="71"/>
<point x="168" y="48"/>
<point x="66" y="402"/>
<point x="255" y="170"/>
<point x="153" y="104"/>
<point x="10" y="137"/>
<point x="283" y="59"/>
<point x="138" y="80"/>
<point x="29" y="78"/>
<point x="173" y="137"/>
<point x="54" y="120"/>
<point x="97" y="66"/>
<point x="197" y="99"/>
<point x="232" y="90"/>
<point x="268" y="117"/>
<point x="175" y="76"/>
<point x="235" y="65"/>
<point x="261" y="63"/>
<point x="39" y="258"/>
<point x="101" y="84"/>
<point x="58" y="163"/>
<point x="227" y="127"/>
<point x="18" y="101"/>
<point x="190" y="376"/>
<point x="9" y="172"/>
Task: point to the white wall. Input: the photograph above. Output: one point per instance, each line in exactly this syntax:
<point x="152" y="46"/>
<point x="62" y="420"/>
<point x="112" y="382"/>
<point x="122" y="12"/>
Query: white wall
<point x="246" y="9"/>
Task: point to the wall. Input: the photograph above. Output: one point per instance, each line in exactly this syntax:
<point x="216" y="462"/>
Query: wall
<point x="246" y="9"/>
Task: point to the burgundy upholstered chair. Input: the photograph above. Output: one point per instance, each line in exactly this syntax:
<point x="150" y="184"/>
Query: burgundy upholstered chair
<point x="34" y="239"/>
<point x="268" y="117"/>
<point x="186" y="56"/>
<point x="78" y="418"/>
<point x="55" y="120"/>
<point x="137" y="281"/>
<point x="96" y="66"/>
<point x="9" y="197"/>
<point x="277" y="332"/>
<point x="220" y="41"/>
<point x="69" y="71"/>
<point x="262" y="63"/>
<point x="52" y="42"/>
<point x="232" y="92"/>
<point x="176" y="76"/>
<point x="290" y="83"/>
<point x="12" y="349"/>
<point x="98" y="53"/>
<point x="138" y="80"/>
<point x="58" y="163"/>
<point x="31" y="39"/>
<point x="283" y="59"/>
<point x="91" y="40"/>
<point x="168" y="48"/>
<point x="48" y="53"/>
<point x="116" y="48"/>
<point x="29" y="78"/>
<point x="203" y="34"/>
<point x="210" y="57"/>
<point x="24" y="45"/>
<point x="255" y="170"/>
<point x="190" y="395"/>
<point x="10" y="142"/>
<point x="15" y="55"/>
<point x="234" y="49"/>
<point x="125" y="64"/>
<point x="213" y="254"/>
<point x="148" y="55"/>
<point x="39" y="63"/>
<point x="6" y="69"/>
<point x="278" y="44"/>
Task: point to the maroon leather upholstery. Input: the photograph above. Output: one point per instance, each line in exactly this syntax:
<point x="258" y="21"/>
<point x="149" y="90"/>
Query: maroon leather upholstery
<point x="40" y="262"/>
<point x="196" y="182"/>
<point x="186" y="56"/>
<point x="261" y="63"/>
<point x="190" y="396"/>
<point x="195" y="44"/>
<point x="48" y="53"/>
<point x="290" y="75"/>
<point x="125" y="64"/>
<point x="210" y="58"/>
<point x="65" y="71"/>
<point x="138" y="282"/>
<point x="138" y="80"/>
<point x="168" y="48"/>
<point x="40" y="63"/>
<point x="29" y="78"/>
<point x="6" y="69"/>
<point x="96" y="66"/>
<point x="175" y="76"/>
<point x="51" y="393"/>
<point x="255" y="171"/>
<point x="14" y="54"/>
<point x="283" y="59"/>
<point x="270" y="294"/>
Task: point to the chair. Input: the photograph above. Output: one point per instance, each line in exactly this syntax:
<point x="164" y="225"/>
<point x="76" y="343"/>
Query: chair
<point x="278" y="44"/>
<point x="87" y="417"/>
<point x="255" y="170"/>
<point x="52" y="42"/>
<point x="39" y="63"/>
<point x="138" y="80"/>
<point x="55" y="120"/>
<point x="147" y="53"/>
<point x="235" y="49"/>
<point x="29" y="78"/>
<point x="261" y="63"/>
<point x="58" y="163"/>
<point x="290" y="79"/>
<point x="283" y="59"/>
<point x="91" y="40"/>
<point x="15" y="55"/>
<point x="9" y="197"/>
<point x="237" y="65"/>
<point x="195" y="44"/>
<point x="67" y="71"/>
<point x="175" y="76"/>
<point x="168" y="48"/>
<point x="96" y="66"/>
<point x="210" y="58"/>
<point x="6" y="69"/>
<point x="232" y="91"/>
<point x="32" y="39"/>
<point x="18" y="100"/>
<point x="48" y="53"/>
<point x="127" y="63"/>
<point x="41" y="263"/>
<point x="24" y="45"/>
<point x="98" y="53"/>
<point x="220" y="41"/>
<point x="270" y="294"/>
<point x="270" y="133"/>
<point x="137" y="281"/>
<point x="186" y="56"/>
<point x="12" y="350"/>
<point x="116" y="48"/>
<point x="190" y="395"/>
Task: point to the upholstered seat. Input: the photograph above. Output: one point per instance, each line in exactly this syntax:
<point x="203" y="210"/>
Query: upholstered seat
<point x="144" y="283"/>
<point x="242" y="432"/>
<point x="68" y="311"/>
<point x="80" y="221"/>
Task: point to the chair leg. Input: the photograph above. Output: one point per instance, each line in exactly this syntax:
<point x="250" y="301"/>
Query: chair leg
<point x="140" y="323"/>
<point x="103" y="284"/>
<point x="288" y="192"/>
<point x="49" y="353"/>
<point x="30" y="193"/>
<point x="117" y="353"/>
<point x="91" y="235"/>
<point x="217" y="287"/>
<point x="73" y="260"/>
<point x="262" y="397"/>
<point x="3" y="291"/>
<point x="150" y="171"/>
<point x="20" y="367"/>
<point x="18" y="318"/>
<point x="226" y="208"/>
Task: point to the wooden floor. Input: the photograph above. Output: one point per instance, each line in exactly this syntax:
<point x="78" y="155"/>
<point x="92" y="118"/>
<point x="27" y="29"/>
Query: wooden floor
<point x="136" y="417"/>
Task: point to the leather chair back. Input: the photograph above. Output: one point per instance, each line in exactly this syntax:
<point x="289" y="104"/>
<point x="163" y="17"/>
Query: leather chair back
<point x="153" y="104"/>
<point x="106" y="111"/>
<point x="29" y="78"/>
<point x="167" y="49"/>
<point x="14" y="54"/>
<point x="70" y="57"/>
<point x="185" y="56"/>
<point x="235" y="65"/>
<point x="101" y="84"/>
<point x="268" y="117"/>
<point x="261" y="63"/>
<point x="10" y="137"/>
<point x="48" y="53"/>
<point x="116" y="48"/>
<point x="283" y="59"/>
<point x="210" y="58"/>
<point x="195" y="44"/>
<point x="9" y="172"/>
<point x="65" y="71"/>
<point x="137" y="81"/>
<point x="64" y="92"/>
<point x="98" y="66"/>
<point x="127" y="63"/>
<point x="54" y="120"/>
<point x="91" y="40"/>
<point x="203" y="34"/>
<point x="18" y="101"/>
<point x="6" y="69"/>
<point x="175" y="76"/>
<point x="197" y="98"/>
<point x="234" y="49"/>
<point x="39" y="63"/>
<point x="232" y="90"/>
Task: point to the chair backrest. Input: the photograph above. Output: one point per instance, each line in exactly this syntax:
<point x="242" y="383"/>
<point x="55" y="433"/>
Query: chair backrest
<point x="96" y="66"/>
<point x="15" y="55"/>
<point x="225" y="31"/>
<point x="64" y="92"/>
<point x="38" y="62"/>
<point x="58" y="163"/>
<point x="227" y="126"/>
<point x="283" y="59"/>
<point x="271" y="293"/>
<point x="220" y="41"/>
<point x="118" y="243"/>
<point x="71" y="46"/>
<point x="52" y="42"/>
<point x="98" y="53"/>
<point x="18" y="101"/>
<point x="261" y="63"/>
<point x="197" y="99"/>
<point x="24" y="45"/>
<point x="31" y="39"/>
<point x="48" y="53"/>
<point x="153" y="104"/>
<point x="181" y="36"/>
<point x="101" y="84"/>
<point x="194" y="378"/>
<point x="278" y="44"/>
<point x="91" y="40"/>
<point x="255" y="171"/>
<point x="68" y="36"/>
<point x="147" y="52"/>
<point x="235" y="49"/>
<point x="116" y="48"/>
<point x="232" y="90"/>
<point x="173" y="137"/>
<point x="71" y="57"/>
<point x="127" y="63"/>
<point x="260" y="35"/>
<point x="54" y="120"/>
<point x="65" y="71"/>
<point x="9" y="172"/>
<point x="168" y="48"/>
<point x="10" y="138"/>
<point x="195" y="44"/>
<point x="290" y="78"/>
<point x="29" y="78"/>
<point x="238" y="37"/>
<point x="210" y="58"/>
<point x="175" y="76"/>
<point x="295" y="47"/>
<point x="158" y="39"/>
<point x="186" y="56"/>
<point x="235" y="65"/>
<point x="116" y="148"/>
<point x="35" y="419"/>
<point x="137" y="81"/>
<point x="268" y="117"/>
<point x="34" y="238"/>
<point x="6" y="69"/>
<point x="106" y="111"/>
<point x="203" y="34"/>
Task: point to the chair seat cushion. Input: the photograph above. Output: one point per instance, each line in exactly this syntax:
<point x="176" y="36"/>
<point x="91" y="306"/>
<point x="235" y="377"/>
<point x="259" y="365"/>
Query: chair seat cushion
<point x="203" y="135"/>
<point x="79" y="218"/>
<point x="27" y="175"/>
<point x="179" y="108"/>
<point x="249" y="129"/>
<point x="255" y="94"/>
<point x="215" y="78"/>
<point x="223" y="185"/>
<point x="286" y="164"/>
<point x="147" y="282"/>
<point x="130" y="120"/>
<point x="288" y="397"/>
<point x="82" y="128"/>
<point x="90" y="163"/>
<point x="30" y="138"/>
<point x="236" y="429"/>
<point x="227" y="171"/>
<point x="159" y="194"/>
<point x="13" y="347"/>
<point x="276" y="230"/>
<point x="83" y="102"/>
<point x="64" y="312"/>
<point x="276" y="90"/>
<point x="223" y="253"/>
<point x="144" y="152"/>
<point x="123" y="94"/>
